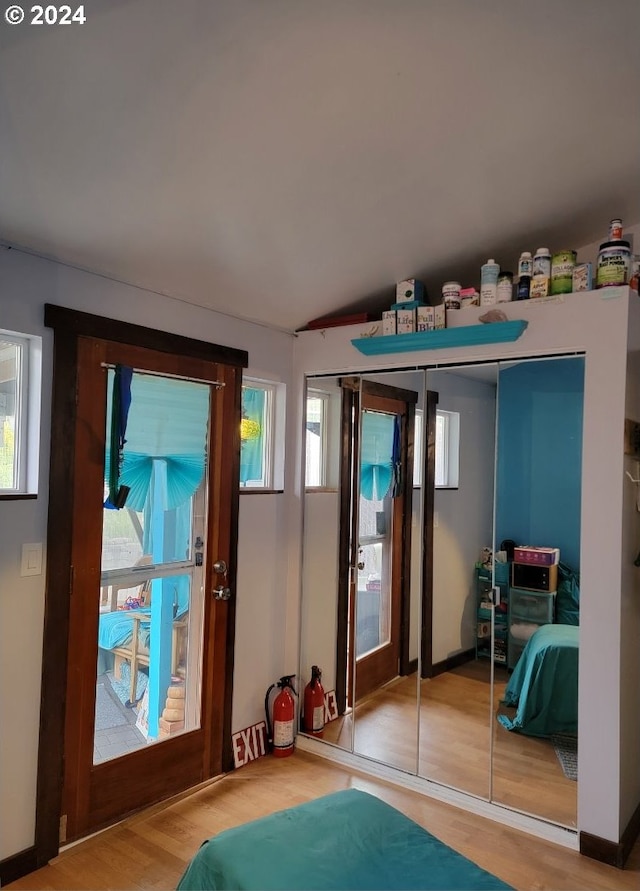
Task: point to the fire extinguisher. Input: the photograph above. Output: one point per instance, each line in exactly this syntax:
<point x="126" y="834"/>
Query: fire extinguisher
<point x="313" y="720"/>
<point x="280" y="730"/>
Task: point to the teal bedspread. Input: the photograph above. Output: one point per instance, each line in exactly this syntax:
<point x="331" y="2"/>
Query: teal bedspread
<point x="347" y="840"/>
<point x="544" y="684"/>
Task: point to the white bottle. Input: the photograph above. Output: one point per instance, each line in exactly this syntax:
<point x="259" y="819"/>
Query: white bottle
<point x="542" y="263"/>
<point x="489" y="283"/>
<point x="525" y="264"/>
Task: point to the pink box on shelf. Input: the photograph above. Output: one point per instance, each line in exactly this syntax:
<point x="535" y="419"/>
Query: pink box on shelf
<point x="536" y="556"/>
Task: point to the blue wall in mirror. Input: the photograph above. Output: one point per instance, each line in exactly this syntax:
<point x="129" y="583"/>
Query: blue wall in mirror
<point x="540" y="455"/>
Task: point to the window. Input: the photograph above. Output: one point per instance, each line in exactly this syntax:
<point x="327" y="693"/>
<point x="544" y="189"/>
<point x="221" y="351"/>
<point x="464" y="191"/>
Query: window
<point x="19" y="407"/>
<point x="261" y="432"/>
<point x="316" y="440"/>
<point x="447" y="449"/>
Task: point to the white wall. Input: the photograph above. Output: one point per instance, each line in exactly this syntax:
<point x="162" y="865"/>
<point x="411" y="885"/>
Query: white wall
<point x="26" y="284"/>
<point x="465" y="514"/>
<point x="320" y="586"/>
<point x="630" y="593"/>
<point x="594" y="323"/>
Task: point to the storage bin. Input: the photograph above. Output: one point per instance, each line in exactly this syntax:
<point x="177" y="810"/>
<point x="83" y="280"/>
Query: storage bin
<point x="536" y="606"/>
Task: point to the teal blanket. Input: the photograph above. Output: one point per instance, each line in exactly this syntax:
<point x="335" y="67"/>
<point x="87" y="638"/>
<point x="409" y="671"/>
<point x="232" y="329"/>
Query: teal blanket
<point x="544" y="684"/>
<point x="347" y="840"/>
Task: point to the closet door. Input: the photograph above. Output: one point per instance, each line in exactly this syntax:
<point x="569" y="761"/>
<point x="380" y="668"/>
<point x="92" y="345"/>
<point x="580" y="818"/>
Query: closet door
<point x="538" y="488"/>
<point x="361" y="560"/>
<point x="462" y="649"/>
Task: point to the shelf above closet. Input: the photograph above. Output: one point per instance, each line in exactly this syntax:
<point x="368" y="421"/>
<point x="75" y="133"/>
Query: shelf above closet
<point x="465" y="335"/>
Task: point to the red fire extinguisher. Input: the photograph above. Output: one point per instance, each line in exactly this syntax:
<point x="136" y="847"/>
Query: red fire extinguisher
<point x="280" y="729"/>
<point x="313" y="720"/>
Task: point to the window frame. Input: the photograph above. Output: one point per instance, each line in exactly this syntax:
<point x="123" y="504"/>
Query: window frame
<point x="450" y="453"/>
<point x="25" y="452"/>
<point x="273" y="434"/>
<point x="450" y="437"/>
<point x="324" y="398"/>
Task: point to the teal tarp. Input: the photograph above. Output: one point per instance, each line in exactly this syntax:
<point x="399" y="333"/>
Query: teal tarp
<point x="347" y="840"/>
<point x="376" y="455"/>
<point x="167" y="429"/>
<point x="544" y="684"/>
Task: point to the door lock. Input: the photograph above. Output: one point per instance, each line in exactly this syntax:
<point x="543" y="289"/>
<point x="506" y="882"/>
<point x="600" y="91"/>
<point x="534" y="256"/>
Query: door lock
<point x="221" y="592"/>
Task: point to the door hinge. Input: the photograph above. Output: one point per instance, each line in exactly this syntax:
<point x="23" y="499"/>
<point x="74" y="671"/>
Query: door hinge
<point x="62" y="834"/>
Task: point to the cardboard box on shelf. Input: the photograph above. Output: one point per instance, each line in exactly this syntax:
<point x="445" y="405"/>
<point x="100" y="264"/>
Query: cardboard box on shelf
<point x="536" y="556"/>
<point x="406" y="321"/>
<point x="409" y="289"/>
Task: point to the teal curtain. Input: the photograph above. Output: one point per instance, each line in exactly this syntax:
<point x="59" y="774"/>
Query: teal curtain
<point x="252" y="434"/>
<point x="376" y="455"/>
<point x="166" y="436"/>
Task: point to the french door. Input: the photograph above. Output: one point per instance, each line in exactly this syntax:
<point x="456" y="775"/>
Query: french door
<point x="376" y="490"/>
<point x="151" y="577"/>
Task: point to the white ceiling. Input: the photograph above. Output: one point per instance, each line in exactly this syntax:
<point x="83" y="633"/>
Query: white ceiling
<point x="280" y="160"/>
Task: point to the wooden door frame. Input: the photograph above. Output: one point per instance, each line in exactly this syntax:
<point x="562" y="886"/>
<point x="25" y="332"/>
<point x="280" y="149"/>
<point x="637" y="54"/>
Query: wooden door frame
<point x="349" y="448"/>
<point x="68" y="326"/>
<point x="428" y="491"/>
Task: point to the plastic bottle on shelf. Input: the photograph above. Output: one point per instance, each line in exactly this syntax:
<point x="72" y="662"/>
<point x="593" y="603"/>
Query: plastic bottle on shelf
<point x="504" y="290"/>
<point x="615" y="230"/>
<point x="542" y="263"/>
<point x="525" y="265"/>
<point x="523" y="291"/>
<point x="489" y="273"/>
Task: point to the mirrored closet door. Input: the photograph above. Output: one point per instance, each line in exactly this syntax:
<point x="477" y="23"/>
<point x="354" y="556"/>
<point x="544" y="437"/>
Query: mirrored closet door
<point x="458" y="671"/>
<point x="490" y="457"/>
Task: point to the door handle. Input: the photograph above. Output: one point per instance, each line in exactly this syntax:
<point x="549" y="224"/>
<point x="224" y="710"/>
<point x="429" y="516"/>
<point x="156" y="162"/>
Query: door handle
<point x="220" y="592"/>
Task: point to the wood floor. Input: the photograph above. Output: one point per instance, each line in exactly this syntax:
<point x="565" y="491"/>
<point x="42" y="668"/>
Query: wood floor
<point x="455" y="725"/>
<point x="150" y="850"/>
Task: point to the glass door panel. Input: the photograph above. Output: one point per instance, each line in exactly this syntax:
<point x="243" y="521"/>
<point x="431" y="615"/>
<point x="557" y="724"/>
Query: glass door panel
<point x="373" y="605"/>
<point x="148" y="683"/>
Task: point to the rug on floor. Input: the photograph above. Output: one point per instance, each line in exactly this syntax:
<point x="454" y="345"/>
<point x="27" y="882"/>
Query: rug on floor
<point x="108" y="713"/>
<point x="566" y="748"/>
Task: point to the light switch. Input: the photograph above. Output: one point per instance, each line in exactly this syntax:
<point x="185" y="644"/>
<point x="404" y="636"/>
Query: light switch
<point x="31" y="559"/>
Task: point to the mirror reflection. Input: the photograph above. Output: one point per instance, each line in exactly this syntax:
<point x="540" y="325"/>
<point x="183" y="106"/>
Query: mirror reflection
<point x="423" y="487"/>
<point x="456" y="689"/>
<point x="386" y="595"/>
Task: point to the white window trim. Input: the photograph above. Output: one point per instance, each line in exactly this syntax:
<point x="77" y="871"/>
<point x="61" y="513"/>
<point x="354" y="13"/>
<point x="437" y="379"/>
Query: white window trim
<point x="324" y="438"/>
<point x="274" y="435"/>
<point x="28" y="401"/>
<point x="450" y="421"/>
<point x="450" y="425"/>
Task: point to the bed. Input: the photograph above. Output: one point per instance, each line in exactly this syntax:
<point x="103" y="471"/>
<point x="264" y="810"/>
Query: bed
<point x="544" y="684"/>
<point x="346" y="840"/>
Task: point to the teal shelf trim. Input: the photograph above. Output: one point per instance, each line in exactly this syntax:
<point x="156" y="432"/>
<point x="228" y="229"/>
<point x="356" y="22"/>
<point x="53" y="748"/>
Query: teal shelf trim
<point x="466" y="335"/>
